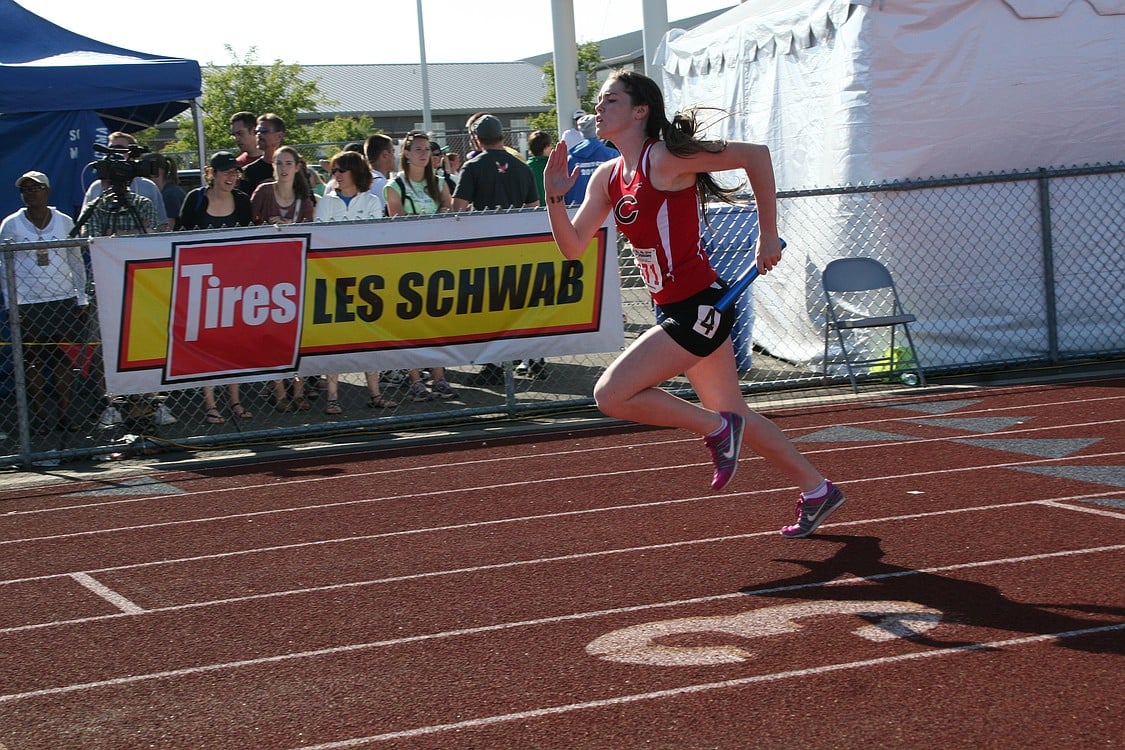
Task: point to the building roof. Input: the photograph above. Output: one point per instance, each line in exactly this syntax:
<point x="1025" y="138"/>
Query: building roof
<point x="625" y="48"/>
<point x="396" y="90"/>
<point x="516" y="88"/>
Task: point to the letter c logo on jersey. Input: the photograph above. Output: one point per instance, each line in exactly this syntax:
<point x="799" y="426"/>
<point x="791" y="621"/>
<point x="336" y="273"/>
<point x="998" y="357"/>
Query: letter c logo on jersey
<point x="236" y="307"/>
<point x="626" y="209"/>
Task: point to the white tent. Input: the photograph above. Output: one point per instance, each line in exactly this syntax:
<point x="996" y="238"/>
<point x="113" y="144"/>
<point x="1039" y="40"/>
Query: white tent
<point x="857" y="91"/>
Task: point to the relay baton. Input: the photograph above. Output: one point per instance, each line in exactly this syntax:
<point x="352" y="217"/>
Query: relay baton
<point x="739" y="285"/>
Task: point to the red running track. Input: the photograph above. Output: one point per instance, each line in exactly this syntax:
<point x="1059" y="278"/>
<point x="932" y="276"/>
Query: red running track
<point x="586" y="590"/>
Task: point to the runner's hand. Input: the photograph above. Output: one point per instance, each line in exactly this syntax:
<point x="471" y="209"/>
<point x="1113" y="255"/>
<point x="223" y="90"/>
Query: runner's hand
<point x="768" y="253"/>
<point x="556" y="179"/>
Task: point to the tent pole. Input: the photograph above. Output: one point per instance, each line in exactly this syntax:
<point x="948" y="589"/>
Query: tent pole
<point x="196" y="115"/>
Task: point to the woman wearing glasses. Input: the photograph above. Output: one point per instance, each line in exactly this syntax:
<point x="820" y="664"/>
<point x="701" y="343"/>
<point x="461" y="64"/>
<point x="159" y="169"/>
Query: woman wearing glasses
<point x="350" y="201"/>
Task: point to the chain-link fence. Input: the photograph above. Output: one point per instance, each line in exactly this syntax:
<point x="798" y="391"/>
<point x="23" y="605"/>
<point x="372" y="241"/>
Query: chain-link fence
<point x="1024" y="267"/>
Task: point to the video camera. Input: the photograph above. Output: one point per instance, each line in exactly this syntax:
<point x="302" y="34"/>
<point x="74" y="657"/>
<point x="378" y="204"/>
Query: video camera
<point x="118" y="166"/>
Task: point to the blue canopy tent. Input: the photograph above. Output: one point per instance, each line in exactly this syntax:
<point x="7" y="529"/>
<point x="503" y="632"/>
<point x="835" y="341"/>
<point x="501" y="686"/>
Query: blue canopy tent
<point x="61" y="92"/>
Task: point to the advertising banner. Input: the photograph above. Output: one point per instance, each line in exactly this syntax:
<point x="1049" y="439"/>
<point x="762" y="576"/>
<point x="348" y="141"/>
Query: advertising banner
<point x="185" y="309"/>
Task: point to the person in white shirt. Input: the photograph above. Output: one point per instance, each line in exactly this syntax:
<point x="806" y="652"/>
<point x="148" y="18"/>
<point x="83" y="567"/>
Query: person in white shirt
<point x="380" y="152"/>
<point x="572" y="136"/>
<point x="51" y="298"/>
<point x="350" y="200"/>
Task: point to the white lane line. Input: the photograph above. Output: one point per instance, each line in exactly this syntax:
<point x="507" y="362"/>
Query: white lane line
<point x="552" y="516"/>
<point x="1086" y="508"/>
<point x="189" y="671"/>
<point x="546" y="561"/>
<point x="107" y="593"/>
<point x="538" y="713"/>
<point x="553" y="620"/>
<point x="560" y="479"/>
<point x="909" y="419"/>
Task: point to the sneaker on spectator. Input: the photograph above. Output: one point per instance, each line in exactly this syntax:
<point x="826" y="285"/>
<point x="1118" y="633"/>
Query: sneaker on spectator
<point x="162" y="415"/>
<point x="442" y="389"/>
<point x="419" y="392"/>
<point x="110" y="417"/>
<point x="812" y="513"/>
<point x="532" y="368"/>
<point x="725" y="448"/>
<point x="537" y="368"/>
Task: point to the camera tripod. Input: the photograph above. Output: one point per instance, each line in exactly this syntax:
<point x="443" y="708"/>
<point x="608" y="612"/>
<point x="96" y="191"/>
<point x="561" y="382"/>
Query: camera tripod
<point x="117" y="205"/>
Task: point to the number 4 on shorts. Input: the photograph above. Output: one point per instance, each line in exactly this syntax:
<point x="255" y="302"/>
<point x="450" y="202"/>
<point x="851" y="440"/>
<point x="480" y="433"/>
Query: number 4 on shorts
<point x="707" y="321"/>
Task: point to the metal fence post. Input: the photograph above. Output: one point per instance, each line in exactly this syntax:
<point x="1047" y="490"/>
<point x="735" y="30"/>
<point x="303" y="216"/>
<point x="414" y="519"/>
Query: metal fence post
<point x="1048" y="266"/>
<point x="23" y="415"/>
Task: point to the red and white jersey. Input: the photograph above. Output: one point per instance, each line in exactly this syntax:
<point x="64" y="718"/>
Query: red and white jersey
<point x="664" y="229"/>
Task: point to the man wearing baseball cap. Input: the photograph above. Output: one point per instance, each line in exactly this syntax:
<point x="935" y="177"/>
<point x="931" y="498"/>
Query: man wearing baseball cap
<point x="573" y="136"/>
<point x="493" y="180"/>
<point x="51" y="299"/>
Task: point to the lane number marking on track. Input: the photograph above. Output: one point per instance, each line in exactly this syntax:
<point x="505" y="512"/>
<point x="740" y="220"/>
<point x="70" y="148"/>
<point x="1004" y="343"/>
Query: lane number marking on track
<point x="640" y="644"/>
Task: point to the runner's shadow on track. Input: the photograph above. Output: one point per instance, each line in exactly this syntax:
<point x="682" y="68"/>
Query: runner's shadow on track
<point x="960" y="601"/>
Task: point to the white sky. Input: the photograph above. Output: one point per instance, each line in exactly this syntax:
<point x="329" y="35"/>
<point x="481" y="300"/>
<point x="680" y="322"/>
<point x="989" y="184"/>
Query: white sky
<point x="310" y="32"/>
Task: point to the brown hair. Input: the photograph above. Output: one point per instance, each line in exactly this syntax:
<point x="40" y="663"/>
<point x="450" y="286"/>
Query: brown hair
<point x="679" y="134"/>
<point x="246" y="118"/>
<point x="430" y="178"/>
<point x="375" y="145"/>
<point x="301" y="187"/>
<point x="273" y="121"/>
<point x="539" y="142"/>
<point x="355" y="164"/>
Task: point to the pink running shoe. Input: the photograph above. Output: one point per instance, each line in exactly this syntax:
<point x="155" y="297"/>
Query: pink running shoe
<point x="725" y="448"/>
<point x="812" y="513"/>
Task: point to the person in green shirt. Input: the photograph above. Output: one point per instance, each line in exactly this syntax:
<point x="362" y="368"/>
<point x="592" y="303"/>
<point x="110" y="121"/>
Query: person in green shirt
<point x="539" y="144"/>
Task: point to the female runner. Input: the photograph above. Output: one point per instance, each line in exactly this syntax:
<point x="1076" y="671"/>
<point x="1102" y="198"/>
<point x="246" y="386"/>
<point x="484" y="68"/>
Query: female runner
<point x="656" y="190"/>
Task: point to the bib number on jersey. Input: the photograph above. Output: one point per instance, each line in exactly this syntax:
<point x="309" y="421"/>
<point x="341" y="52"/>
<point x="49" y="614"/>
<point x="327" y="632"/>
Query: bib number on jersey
<point x="649" y="266"/>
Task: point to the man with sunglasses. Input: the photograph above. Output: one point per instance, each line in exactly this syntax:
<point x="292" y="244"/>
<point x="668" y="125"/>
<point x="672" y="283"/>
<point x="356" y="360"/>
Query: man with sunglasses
<point x="270" y="133"/>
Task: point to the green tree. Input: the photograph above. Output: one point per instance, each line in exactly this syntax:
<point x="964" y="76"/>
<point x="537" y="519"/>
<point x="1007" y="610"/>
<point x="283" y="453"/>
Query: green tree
<point x="589" y="58"/>
<point x="247" y="85"/>
<point x="340" y="130"/>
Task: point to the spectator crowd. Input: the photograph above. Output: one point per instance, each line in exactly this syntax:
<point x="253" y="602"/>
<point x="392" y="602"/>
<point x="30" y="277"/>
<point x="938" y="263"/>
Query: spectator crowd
<point x="261" y="181"/>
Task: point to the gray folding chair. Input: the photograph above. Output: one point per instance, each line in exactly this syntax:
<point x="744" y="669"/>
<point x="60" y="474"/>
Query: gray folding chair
<point x="860" y="293"/>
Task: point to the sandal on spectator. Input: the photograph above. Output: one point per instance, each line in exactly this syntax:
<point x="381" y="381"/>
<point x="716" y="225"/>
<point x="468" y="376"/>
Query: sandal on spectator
<point x="212" y="416"/>
<point x="301" y="404"/>
<point x="333" y="407"/>
<point x="240" y="411"/>
<point x="378" y="402"/>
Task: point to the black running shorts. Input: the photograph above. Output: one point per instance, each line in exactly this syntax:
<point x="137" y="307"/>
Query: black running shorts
<point x="695" y="324"/>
